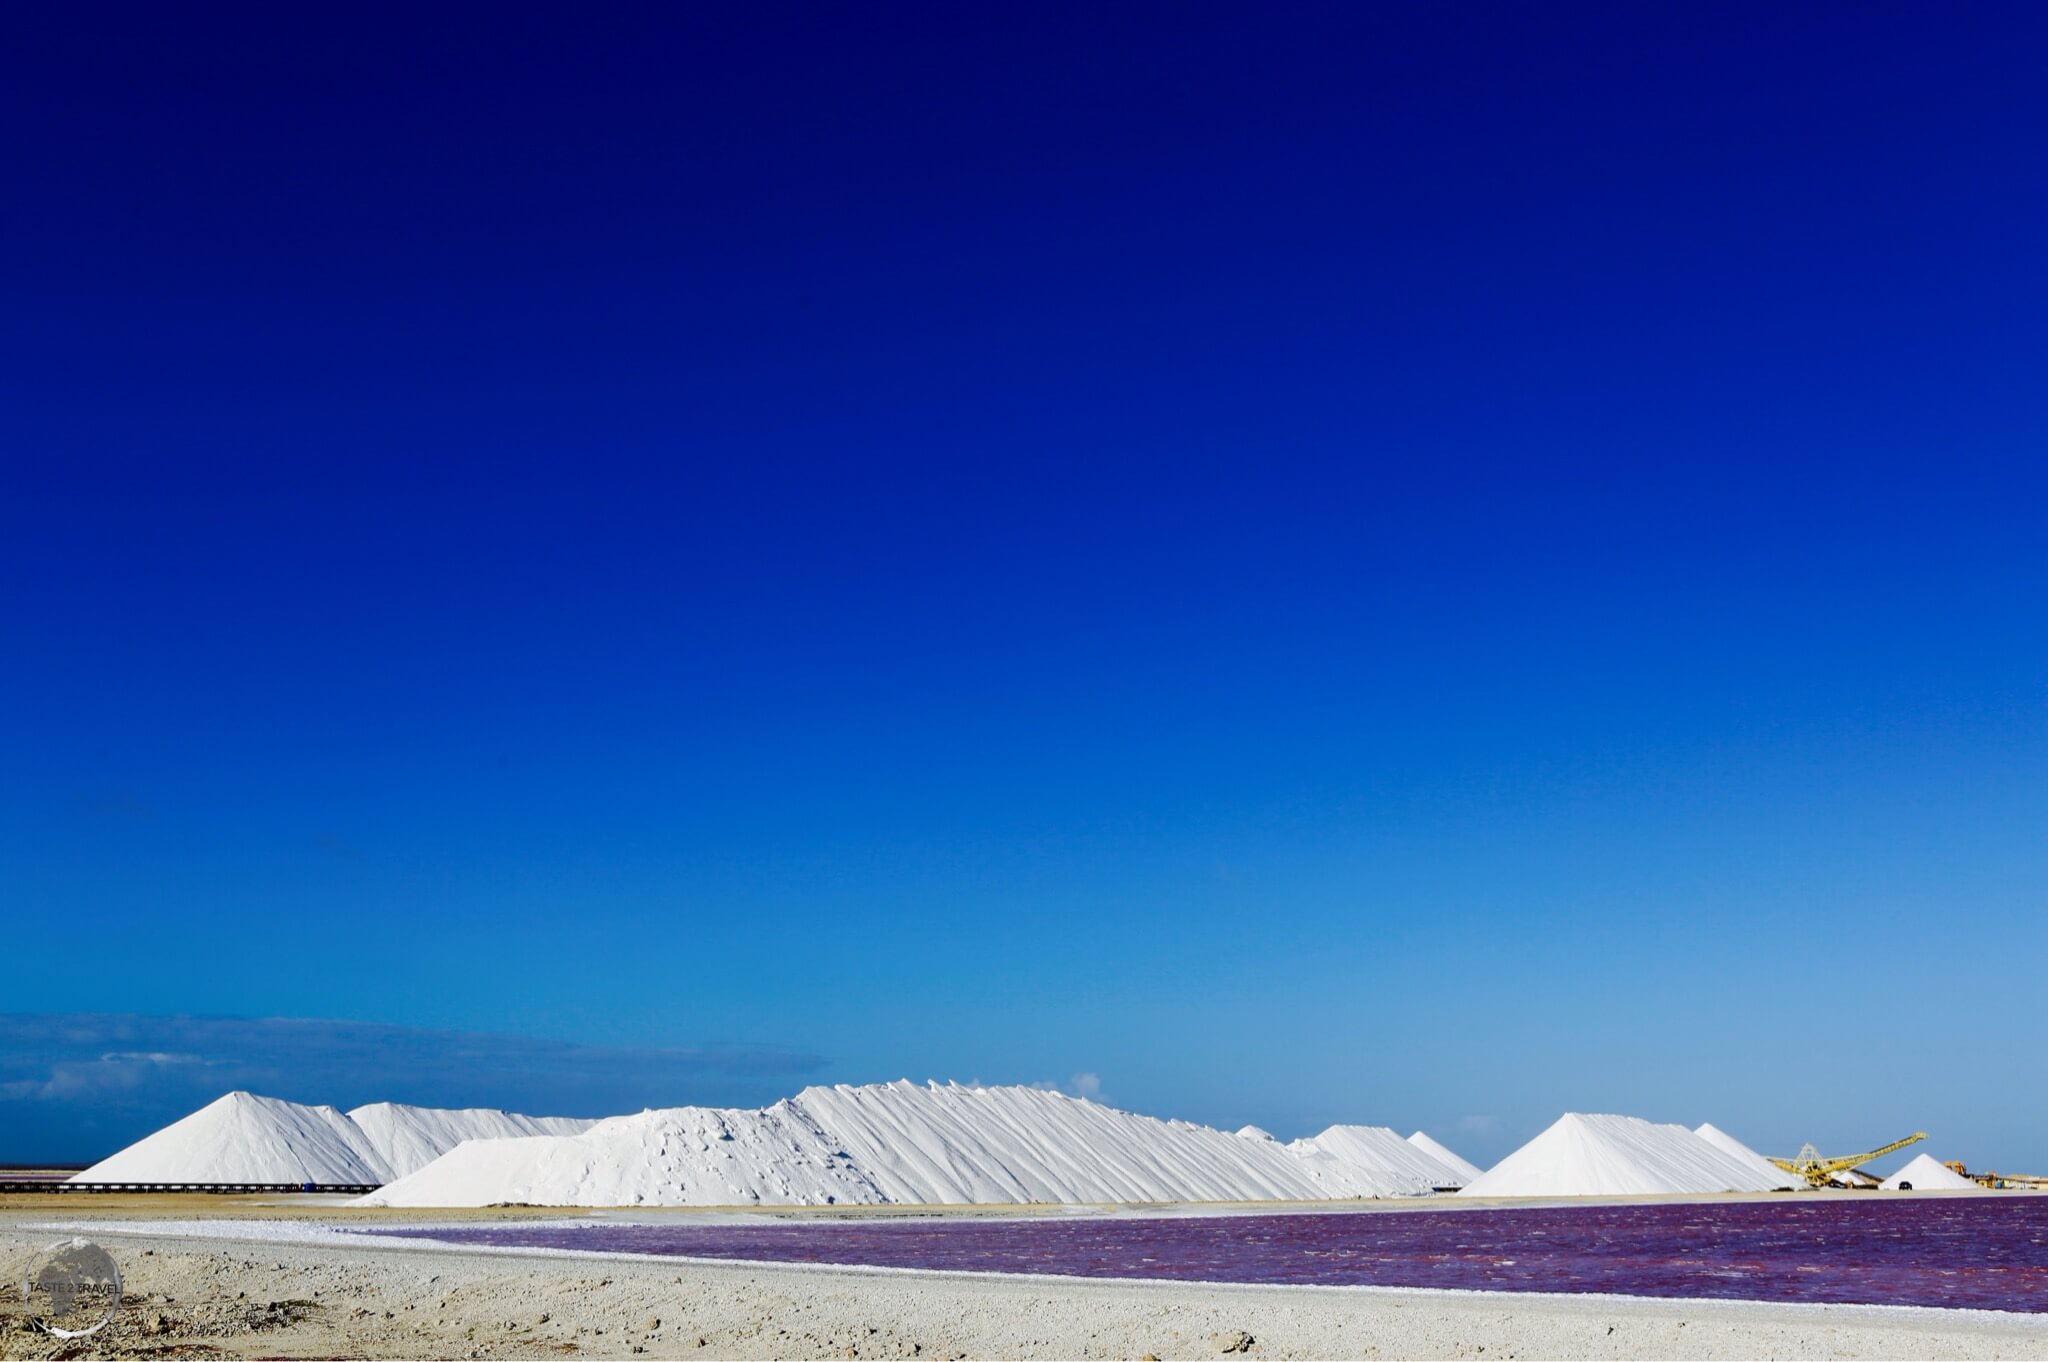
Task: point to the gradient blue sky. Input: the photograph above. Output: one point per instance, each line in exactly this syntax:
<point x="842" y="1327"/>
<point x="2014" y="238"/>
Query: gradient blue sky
<point x="1427" y="565"/>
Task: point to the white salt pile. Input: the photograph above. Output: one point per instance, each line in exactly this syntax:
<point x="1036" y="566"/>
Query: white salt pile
<point x="1927" y="1174"/>
<point x="1581" y="1155"/>
<point x="945" y="1143"/>
<point x="245" y="1138"/>
<point x="901" y="1143"/>
<point x="1736" y="1149"/>
<point x="406" y="1139"/>
<point x="1443" y="1155"/>
<point x="897" y="1143"/>
<point x="679" y="1156"/>
<point x="1382" y="1152"/>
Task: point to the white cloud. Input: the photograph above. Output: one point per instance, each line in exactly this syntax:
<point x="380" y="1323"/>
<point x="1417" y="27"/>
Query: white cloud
<point x="1086" y="1085"/>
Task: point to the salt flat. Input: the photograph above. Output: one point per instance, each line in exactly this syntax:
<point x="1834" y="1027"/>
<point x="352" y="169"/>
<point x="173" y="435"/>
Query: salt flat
<point x="287" y="1297"/>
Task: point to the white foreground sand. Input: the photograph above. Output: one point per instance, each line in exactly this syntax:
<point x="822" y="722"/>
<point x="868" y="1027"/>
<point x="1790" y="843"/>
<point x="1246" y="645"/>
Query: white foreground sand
<point x="192" y="1296"/>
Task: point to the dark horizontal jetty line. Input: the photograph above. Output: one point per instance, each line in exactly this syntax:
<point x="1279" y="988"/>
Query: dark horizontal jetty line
<point x="44" y="1185"/>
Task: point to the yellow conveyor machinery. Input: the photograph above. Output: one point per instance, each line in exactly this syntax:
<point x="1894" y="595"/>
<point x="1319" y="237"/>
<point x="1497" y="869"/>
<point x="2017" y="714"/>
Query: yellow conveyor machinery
<point x="1809" y="1163"/>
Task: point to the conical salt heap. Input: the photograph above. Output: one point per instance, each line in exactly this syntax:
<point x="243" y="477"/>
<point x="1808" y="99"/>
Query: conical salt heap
<point x="1928" y="1174"/>
<point x="1582" y="1155"/>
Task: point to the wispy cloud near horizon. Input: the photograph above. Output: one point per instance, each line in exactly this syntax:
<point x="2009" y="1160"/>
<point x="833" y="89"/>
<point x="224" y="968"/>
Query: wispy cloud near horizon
<point x="75" y="1086"/>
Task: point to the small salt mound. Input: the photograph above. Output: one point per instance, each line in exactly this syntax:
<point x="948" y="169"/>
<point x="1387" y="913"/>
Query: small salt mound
<point x="245" y="1138"/>
<point x="1380" y="1153"/>
<point x="1736" y="1149"/>
<point x="896" y="1143"/>
<point x="1582" y="1155"/>
<point x="1927" y="1174"/>
<point x="406" y="1139"/>
<point x="1255" y="1133"/>
<point x="1465" y="1170"/>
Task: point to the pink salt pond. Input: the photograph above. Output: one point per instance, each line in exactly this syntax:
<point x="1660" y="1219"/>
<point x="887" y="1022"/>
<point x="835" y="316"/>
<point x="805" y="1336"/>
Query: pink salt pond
<point x="1987" y="1253"/>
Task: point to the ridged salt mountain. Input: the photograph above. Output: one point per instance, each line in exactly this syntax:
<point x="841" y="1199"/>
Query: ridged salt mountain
<point x="901" y="1143"/>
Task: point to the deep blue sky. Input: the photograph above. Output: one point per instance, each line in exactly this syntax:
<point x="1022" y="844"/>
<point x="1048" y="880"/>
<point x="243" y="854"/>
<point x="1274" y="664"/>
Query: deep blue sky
<point x="1428" y="565"/>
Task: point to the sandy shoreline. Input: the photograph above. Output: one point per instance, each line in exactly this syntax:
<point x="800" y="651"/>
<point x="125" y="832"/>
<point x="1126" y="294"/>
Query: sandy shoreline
<point x="194" y="1296"/>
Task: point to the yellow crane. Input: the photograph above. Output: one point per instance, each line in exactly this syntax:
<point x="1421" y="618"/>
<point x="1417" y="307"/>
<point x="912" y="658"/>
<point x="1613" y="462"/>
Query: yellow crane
<point x="1808" y="1163"/>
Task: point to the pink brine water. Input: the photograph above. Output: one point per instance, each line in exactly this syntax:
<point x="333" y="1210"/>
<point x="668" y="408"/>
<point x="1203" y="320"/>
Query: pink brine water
<point x="1986" y="1253"/>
